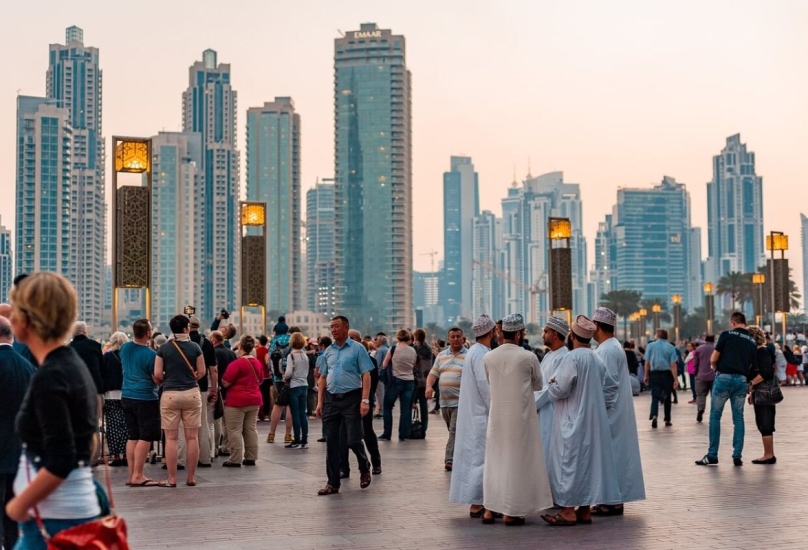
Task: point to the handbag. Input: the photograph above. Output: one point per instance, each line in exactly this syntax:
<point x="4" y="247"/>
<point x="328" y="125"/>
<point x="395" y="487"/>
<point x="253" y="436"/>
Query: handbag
<point x="417" y="427"/>
<point x="768" y="393"/>
<point x="105" y="533"/>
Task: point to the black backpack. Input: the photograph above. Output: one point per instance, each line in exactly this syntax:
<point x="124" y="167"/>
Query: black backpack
<point x="278" y="358"/>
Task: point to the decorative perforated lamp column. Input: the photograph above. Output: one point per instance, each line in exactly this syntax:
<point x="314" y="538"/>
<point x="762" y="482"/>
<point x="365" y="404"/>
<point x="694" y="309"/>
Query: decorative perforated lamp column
<point x="758" y="281"/>
<point x="253" y="230"/>
<point x="131" y="221"/>
<point x="559" y="233"/>
<point x="677" y="314"/>
<point x="709" y="306"/>
<point x="777" y="241"/>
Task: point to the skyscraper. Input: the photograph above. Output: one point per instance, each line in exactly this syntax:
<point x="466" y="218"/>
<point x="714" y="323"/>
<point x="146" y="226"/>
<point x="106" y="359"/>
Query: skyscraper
<point x="487" y="285"/>
<point x="273" y="177"/>
<point x="604" y="272"/>
<point x="74" y="80"/>
<point x="177" y="226"/>
<point x="6" y="263"/>
<point x="209" y="108"/>
<point x="734" y="213"/>
<point x="653" y="242"/>
<point x="525" y="213"/>
<point x="461" y="204"/>
<point x="45" y="229"/>
<point x="373" y="178"/>
<point x="320" y="248"/>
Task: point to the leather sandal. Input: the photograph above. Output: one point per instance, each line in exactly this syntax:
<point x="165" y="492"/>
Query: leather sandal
<point x="558" y="520"/>
<point x="517" y="521"/>
<point x="478" y="514"/>
<point x="607" y="510"/>
<point x="328" y="490"/>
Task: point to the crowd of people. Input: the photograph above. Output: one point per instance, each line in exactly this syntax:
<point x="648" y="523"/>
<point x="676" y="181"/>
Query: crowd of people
<point x="528" y="430"/>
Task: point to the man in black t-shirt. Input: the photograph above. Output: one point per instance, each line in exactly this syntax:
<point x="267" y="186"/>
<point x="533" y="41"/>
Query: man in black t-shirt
<point x="733" y="354"/>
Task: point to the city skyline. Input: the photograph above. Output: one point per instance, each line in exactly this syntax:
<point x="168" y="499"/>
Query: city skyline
<point x="447" y="120"/>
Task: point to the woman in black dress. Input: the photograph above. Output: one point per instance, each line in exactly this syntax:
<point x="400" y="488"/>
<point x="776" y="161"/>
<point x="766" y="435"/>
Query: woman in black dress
<point x="762" y="371"/>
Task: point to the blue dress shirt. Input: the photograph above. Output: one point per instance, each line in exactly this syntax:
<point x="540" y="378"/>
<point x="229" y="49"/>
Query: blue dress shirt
<point x="344" y="366"/>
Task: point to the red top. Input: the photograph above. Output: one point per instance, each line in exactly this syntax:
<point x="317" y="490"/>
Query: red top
<point x="261" y="355"/>
<point x="244" y="378"/>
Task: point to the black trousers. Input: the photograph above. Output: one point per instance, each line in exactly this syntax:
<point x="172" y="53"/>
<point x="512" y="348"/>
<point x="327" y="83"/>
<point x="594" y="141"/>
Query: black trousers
<point x="339" y="410"/>
<point x="420" y="397"/>
<point x="661" y="390"/>
<point x="371" y="442"/>
<point x="8" y="528"/>
<point x="266" y="403"/>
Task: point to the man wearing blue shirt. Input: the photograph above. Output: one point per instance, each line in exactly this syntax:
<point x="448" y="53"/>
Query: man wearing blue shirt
<point x="661" y="372"/>
<point x="344" y="398"/>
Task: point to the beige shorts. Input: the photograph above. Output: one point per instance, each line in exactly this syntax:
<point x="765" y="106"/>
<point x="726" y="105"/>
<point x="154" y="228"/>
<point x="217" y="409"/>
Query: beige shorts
<point x="181" y="405"/>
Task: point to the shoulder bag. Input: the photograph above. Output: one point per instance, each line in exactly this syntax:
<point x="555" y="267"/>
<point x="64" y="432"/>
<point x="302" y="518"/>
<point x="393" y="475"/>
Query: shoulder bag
<point x="193" y="371"/>
<point x="105" y="533"/>
<point x="768" y="393"/>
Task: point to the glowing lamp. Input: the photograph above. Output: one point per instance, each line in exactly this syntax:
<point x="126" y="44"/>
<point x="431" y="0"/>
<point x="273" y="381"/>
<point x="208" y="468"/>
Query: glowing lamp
<point x="132" y="157"/>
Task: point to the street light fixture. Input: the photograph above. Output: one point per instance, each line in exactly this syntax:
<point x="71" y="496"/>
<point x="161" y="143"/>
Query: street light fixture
<point x="758" y="280"/>
<point x="643" y="323"/>
<point x="677" y="314"/>
<point x="709" y="306"/>
<point x="253" y="230"/>
<point x="559" y="233"/>
<point x="656" y="308"/>
<point x="777" y="241"/>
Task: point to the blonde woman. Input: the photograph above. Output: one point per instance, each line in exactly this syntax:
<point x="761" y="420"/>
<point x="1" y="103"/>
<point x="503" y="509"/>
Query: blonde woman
<point x="114" y="421"/>
<point x="296" y="376"/>
<point x="58" y="418"/>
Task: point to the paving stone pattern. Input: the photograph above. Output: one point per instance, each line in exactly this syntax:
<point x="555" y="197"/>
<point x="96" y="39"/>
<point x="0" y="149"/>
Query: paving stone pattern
<point x="275" y="504"/>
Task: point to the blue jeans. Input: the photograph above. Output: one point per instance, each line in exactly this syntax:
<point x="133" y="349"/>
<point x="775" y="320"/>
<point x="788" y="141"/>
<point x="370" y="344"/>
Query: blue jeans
<point x="402" y="389"/>
<point x="31" y="538"/>
<point x="298" y="398"/>
<point x="730" y="387"/>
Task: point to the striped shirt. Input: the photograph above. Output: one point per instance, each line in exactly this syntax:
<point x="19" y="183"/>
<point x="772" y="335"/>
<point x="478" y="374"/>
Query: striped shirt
<point x="447" y="369"/>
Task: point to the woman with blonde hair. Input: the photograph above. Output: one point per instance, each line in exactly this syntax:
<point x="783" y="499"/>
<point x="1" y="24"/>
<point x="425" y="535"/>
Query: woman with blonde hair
<point x="296" y="376"/>
<point x="115" y="432"/>
<point x="58" y="418"/>
<point x="242" y="379"/>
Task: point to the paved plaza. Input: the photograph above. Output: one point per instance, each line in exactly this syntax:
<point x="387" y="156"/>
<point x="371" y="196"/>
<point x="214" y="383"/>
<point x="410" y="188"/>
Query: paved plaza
<point x="275" y="505"/>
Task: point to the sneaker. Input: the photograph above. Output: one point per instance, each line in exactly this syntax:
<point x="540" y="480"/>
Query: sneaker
<point x="303" y="446"/>
<point x="706" y="461"/>
<point x="691" y="401"/>
<point x="292" y="445"/>
<point x="271" y="438"/>
<point x="288" y="439"/>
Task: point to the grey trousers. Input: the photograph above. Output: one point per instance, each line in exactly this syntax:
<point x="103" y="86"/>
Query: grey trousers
<point x="449" y="415"/>
<point x="703" y="389"/>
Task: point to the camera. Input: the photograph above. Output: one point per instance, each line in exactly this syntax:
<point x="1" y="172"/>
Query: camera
<point x="189" y="310"/>
<point x="225" y="314"/>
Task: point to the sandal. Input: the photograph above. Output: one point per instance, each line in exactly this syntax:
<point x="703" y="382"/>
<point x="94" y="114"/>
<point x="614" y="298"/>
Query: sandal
<point x="514" y="522"/>
<point x="328" y="490"/>
<point x="478" y="514"/>
<point x="488" y="520"/>
<point x="607" y="510"/>
<point x="558" y="521"/>
<point x="145" y="483"/>
<point x="165" y="483"/>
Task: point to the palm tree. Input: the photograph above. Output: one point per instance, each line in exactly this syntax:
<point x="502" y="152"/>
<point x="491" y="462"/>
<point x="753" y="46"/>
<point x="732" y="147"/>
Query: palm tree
<point x="623" y="303"/>
<point x="737" y="285"/>
<point x="794" y="292"/>
<point x="649" y="303"/>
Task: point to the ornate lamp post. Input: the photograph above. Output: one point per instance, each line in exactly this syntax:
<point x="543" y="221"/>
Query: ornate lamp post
<point x="777" y="241"/>
<point x="758" y="280"/>
<point x="559" y="233"/>
<point x="677" y="314"/>
<point x="131" y="221"/>
<point x="643" y="324"/>
<point x="709" y="306"/>
<point x="656" y="308"/>
<point x="253" y="260"/>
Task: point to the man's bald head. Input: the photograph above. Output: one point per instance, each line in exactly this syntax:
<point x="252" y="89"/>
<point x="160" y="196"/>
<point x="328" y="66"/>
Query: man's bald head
<point x="354" y="334"/>
<point x="6" y="336"/>
<point x="5" y="310"/>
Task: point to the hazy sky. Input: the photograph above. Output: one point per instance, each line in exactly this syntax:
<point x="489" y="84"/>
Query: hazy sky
<point x="614" y="93"/>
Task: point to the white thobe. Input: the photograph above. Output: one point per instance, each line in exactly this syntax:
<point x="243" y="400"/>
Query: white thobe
<point x="581" y="465"/>
<point x="472" y="422"/>
<point x="549" y="366"/>
<point x="622" y="421"/>
<point x="515" y="476"/>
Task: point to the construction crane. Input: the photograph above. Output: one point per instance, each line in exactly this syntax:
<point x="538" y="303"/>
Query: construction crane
<point x="534" y="289"/>
<point x="432" y="253"/>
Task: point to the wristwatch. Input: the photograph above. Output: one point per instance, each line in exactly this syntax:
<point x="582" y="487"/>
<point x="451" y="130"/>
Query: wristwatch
<point x="366" y="401"/>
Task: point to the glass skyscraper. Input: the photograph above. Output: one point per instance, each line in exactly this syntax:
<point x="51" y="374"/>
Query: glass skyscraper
<point x="74" y="81"/>
<point x="525" y="257"/>
<point x="653" y="243"/>
<point x="177" y="226"/>
<point x="373" y="179"/>
<point x="45" y="224"/>
<point x="320" y="249"/>
<point x="734" y="213"/>
<point x="461" y="204"/>
<point x="273" y="177"/>
<point x="487" y="285"/>
<point x="6" y="261"/>
<point x="209" y="108"/>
